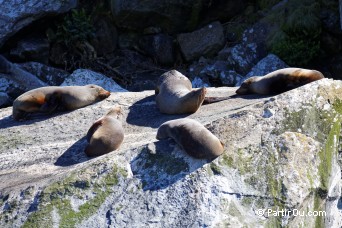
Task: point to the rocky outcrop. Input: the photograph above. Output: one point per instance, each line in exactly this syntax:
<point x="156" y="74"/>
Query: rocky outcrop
<point x="16" y="15"/>
<point x="280" y="153"/>
<point x="264" y="66"/>
<point x="172" y="16"/>
<point x="206" y="41"/>
<point x="84" y="77"/>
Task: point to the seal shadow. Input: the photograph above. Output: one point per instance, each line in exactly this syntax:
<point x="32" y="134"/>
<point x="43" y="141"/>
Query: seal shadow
<point x="8" y="121"/>
<point x="163" y="168"/>
<point x="74" y="154"/>
<point x="145" y="113"/>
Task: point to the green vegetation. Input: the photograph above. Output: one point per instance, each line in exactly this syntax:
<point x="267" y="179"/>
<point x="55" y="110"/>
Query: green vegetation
<point x="76" y="27"/>
<point x="297" y="39"/>
<point x="56" y="197"/>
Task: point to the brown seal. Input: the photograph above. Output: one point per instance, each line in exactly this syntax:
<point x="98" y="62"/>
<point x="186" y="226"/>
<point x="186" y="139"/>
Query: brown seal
<point x="106" y="134"/>
<point x="53" y="98"/>
<point x="279" y="81"/>
<point x="175" y="95"/>
<point x="193" y="137"/>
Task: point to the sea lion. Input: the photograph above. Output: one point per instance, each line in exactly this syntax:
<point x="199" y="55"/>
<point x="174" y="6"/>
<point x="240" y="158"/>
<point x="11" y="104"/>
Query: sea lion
<point x="175" y="95"/>
<point x="193" y="137"/>
<point x="279" y="81"/>
<point x="106" y="134"/>
<point x="53" y="98"/>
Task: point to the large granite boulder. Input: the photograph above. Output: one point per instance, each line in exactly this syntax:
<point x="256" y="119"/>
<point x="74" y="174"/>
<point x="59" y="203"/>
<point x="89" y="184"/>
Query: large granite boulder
<point x="206" y="41"/>
<point x="15" y="15"/>
<point x="252" y="49"/>
<point x="280" y="154"/>
<point x="266" y="65"/>
<point x="84" y="77"/>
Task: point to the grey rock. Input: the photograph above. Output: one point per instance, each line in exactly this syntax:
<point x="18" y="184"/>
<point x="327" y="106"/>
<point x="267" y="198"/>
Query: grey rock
<point x="198" y="83"/>
<point x="286" y="159"/>
<point x="252" y="48"/>
<point x="206" y="41"/>
<point x="52" y="76"/>
<point x="168" y="15"/>
<point x="268" y="64"/>
<point x="215" y="71"/>
<point x="31" y="49"/>
<point x="16" y="15"/>
<point x="159" y="47"/>
<point x="172" y="16"/>
<point x="84" y="77"/>
<point x="15" y="73"/>
<point x="106" y="36"/>
<point x="5" y="100"/>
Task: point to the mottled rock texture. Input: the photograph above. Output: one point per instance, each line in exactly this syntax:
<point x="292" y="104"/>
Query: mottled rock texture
<point x="15" y="15"/>
<point x="280" y="152"/>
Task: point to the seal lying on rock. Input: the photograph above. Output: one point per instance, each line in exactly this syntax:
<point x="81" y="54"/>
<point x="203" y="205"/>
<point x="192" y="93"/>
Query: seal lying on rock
<point x="53" y="98"/>
<point x="106" y="134"/>
<point x="175" y="95"/>
<point x="279" y="81"/>
<point x="193" y="137"/>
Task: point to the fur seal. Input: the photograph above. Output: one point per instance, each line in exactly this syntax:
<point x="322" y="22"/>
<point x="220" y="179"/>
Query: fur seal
<point x="106" y="134"/>
<point x="53" y="98"/>
<point x="193" y="137"/>
<point x="279" y="81"/>
<point x="175" y="95"/>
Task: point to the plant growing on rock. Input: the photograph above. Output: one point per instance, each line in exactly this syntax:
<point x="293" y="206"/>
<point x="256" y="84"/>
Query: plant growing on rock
<point x="297" y="41"/>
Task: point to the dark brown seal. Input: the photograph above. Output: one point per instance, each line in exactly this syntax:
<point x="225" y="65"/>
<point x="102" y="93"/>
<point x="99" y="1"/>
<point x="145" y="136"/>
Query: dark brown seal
<point x="175" y="95"/>
<point x="279" y="81"/>
<point x="53" y="98"/>
<point x="193" y="137"/>
<point x="106" y="134"/>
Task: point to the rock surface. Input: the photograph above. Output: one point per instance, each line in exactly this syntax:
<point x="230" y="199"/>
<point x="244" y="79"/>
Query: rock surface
<point x="280" y="152"/>
<point x="31" y="49"/>
<point x="50" y="75"/>
<point x="84" y="77"/>
<point x="206" y="41"/>
<point x="268" y="64"/>
<point x="15" y="15"/>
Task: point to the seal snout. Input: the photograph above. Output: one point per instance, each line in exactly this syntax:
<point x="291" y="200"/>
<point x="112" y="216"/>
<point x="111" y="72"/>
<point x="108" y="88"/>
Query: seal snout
<point x="104" y="94"/>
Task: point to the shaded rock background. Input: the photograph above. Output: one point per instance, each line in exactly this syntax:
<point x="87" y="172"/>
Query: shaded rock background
<point x="218" y="42"/>
<point x="280" y="152"/>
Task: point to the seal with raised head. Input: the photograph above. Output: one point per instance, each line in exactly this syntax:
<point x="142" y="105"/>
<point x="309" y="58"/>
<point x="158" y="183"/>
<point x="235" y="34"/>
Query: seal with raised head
<point x="279" y="81"/>
<point x="192" y="137"/>
<point x="106" y="134"/>
<point x="175" y="95"/>
<point x="53" y="98"/>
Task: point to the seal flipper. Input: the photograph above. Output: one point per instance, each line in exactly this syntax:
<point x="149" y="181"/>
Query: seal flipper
<point x="93" y="128"/>
<point x="52" y="104"/>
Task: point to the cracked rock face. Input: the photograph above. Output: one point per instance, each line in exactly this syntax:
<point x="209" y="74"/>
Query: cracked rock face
<point x="15" y="15"/>
<point x="280" y="152"/>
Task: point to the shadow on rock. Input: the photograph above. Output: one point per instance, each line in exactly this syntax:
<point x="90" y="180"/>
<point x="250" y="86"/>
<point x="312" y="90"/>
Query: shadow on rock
<point x="8" y="121"/>
<point x="74" y="155"/>
<point x="145" y="113"/>
<point x="157" y="169"/>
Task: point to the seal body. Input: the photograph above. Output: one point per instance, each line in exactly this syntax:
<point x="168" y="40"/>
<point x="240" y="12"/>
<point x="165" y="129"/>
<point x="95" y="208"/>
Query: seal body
<point x="53" y="98"/>
<point x="279" y="81"/>
<point x="192" y="137"/>
<point x="106" y="134"/>
<point x="174" y="94"/>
